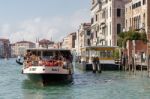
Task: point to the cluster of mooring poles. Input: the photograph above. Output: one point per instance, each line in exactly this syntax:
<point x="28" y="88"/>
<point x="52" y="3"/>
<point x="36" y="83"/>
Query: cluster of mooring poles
<point x="131" y="65"/>
<point x="148" y="65"/>
<point x="96" y="66"/>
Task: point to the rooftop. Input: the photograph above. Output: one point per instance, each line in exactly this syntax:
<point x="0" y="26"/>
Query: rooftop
<point x="45" y="41"/>
<point x="25" y="42"/>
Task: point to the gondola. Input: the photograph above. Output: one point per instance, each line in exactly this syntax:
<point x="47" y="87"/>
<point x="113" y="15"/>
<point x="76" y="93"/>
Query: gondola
<point x="18" y="62"/>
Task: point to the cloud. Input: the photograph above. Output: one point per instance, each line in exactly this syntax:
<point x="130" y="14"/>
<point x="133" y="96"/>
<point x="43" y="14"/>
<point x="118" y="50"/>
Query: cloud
<point x="43" y="27"/>
<point x="5" y="28"/>
<point x="79" y="17"/>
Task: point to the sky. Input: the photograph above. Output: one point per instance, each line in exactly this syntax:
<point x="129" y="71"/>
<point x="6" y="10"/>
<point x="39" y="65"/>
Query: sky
<point x="49" y="19"/>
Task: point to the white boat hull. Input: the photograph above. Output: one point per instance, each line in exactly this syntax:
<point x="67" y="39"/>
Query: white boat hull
<point x="47" y="70"/>
<point x="46" y="75"/>
<point x="46" y="79"/>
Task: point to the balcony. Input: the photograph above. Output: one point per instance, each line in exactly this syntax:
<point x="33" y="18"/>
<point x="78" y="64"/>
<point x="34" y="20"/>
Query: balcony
<point x="97" y="4"/>
<point x="102" y="36"/>
<point x="103" y="22"/>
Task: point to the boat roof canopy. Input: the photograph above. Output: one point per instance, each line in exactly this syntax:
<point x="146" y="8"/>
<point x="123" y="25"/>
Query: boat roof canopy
<point x="44" y="49"/>
<point x="99" y="47"/>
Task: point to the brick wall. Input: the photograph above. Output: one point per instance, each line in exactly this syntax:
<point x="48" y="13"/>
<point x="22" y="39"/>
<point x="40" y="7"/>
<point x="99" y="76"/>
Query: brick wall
<point x="140" y="46"/>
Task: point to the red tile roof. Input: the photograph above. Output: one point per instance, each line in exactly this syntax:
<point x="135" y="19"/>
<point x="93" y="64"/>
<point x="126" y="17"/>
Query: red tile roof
<point x="45" y="41"/>
<point x="25" y="42"/>
<point x="4" y="40"/>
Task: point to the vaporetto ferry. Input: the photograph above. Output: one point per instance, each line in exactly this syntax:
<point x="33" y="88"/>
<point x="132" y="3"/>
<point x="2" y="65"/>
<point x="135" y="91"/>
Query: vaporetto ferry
<point x="48" y="65"/>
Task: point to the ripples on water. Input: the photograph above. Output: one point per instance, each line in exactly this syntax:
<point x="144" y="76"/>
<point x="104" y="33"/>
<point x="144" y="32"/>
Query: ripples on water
<point x="86" y="85"/>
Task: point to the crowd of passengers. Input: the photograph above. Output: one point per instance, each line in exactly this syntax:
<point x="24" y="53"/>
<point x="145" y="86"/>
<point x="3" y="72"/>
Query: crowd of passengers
<point x="57" y="60"/>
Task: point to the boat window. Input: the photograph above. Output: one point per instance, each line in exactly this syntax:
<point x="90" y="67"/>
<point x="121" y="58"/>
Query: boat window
<point x="37" y="53"/>
<point x="105" y="54"/>
<point x="47" y="55"/>
<point x="66" y="54"/>
<point x="109" y="54"/>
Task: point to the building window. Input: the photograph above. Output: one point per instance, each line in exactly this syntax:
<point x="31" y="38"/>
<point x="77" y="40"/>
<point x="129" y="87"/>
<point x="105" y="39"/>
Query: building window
<point x="144" y="2"/>
<point x="93" y="1"/>
<point x="136" y="5"/>
<point x="88" y="42"/>
<point x="130" y="7"/>
<point x="118" y="28"/>
<point x="106" y="1"/>
<point x="118" y="12"/>
<point x="144" y="18"/>
<point x="104" y="30"/>
<point x="139" y="4"/>
<point x="110" y="28"/>
<point x="92" y="20"/>
<point x="96" y="34"/>
<point x="96" y="17"/>
<point x="130" y="22"/>
<point x="110" y="11"/>
<point x="104" y="14"/>
<point x="139" y="22"/>
<point x="126" y="23"/>
<point x="88" y="32"/>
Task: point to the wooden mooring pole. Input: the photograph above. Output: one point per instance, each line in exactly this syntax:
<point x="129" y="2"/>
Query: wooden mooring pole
<point x="148" y="65"/>
<point x="96" y="66"/>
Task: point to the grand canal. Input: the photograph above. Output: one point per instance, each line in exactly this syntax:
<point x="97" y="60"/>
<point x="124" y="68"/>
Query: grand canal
<point x="86" y="85"/>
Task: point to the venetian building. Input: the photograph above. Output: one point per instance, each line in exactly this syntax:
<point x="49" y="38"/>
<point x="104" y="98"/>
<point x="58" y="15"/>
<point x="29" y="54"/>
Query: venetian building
<point x="21" y="46"/>
<point x="136" y="15"/>
<point x="137" y="18"/>
<point x="69" y="41"/>
<point x="5" y="48"/>
<point x="44" y="43"/>
<point x="83" y="37"/>
<point x="107" y="20"/>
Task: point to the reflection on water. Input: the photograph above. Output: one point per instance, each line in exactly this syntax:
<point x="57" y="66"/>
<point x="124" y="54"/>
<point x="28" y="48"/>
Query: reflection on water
<point x="53" y="91"/>
<point x="32" y="95"/>
<point x="86" y="85"/>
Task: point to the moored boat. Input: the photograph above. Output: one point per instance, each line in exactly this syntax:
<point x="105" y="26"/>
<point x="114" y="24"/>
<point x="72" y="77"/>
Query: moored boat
<point x="48" y="65"/>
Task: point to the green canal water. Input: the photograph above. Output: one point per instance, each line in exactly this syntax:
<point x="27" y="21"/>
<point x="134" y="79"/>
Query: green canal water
<point x="86" y="85"/>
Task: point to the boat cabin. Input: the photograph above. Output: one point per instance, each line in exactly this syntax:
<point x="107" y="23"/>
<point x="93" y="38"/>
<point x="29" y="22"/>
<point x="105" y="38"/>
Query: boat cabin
<point x="47" y="57"/>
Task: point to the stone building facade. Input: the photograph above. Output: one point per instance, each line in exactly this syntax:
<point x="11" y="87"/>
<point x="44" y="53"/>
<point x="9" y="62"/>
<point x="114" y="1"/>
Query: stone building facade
<point x="107" y="21"/>
<point x="5" y="49"/>
<point x="69" y="41"/>
<point x="137" y="18"/>
<point x="136" y="15"/>
<point x="21" y="46"/>
<point x="83" y="37"/>
<point x="44" y="43"/>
